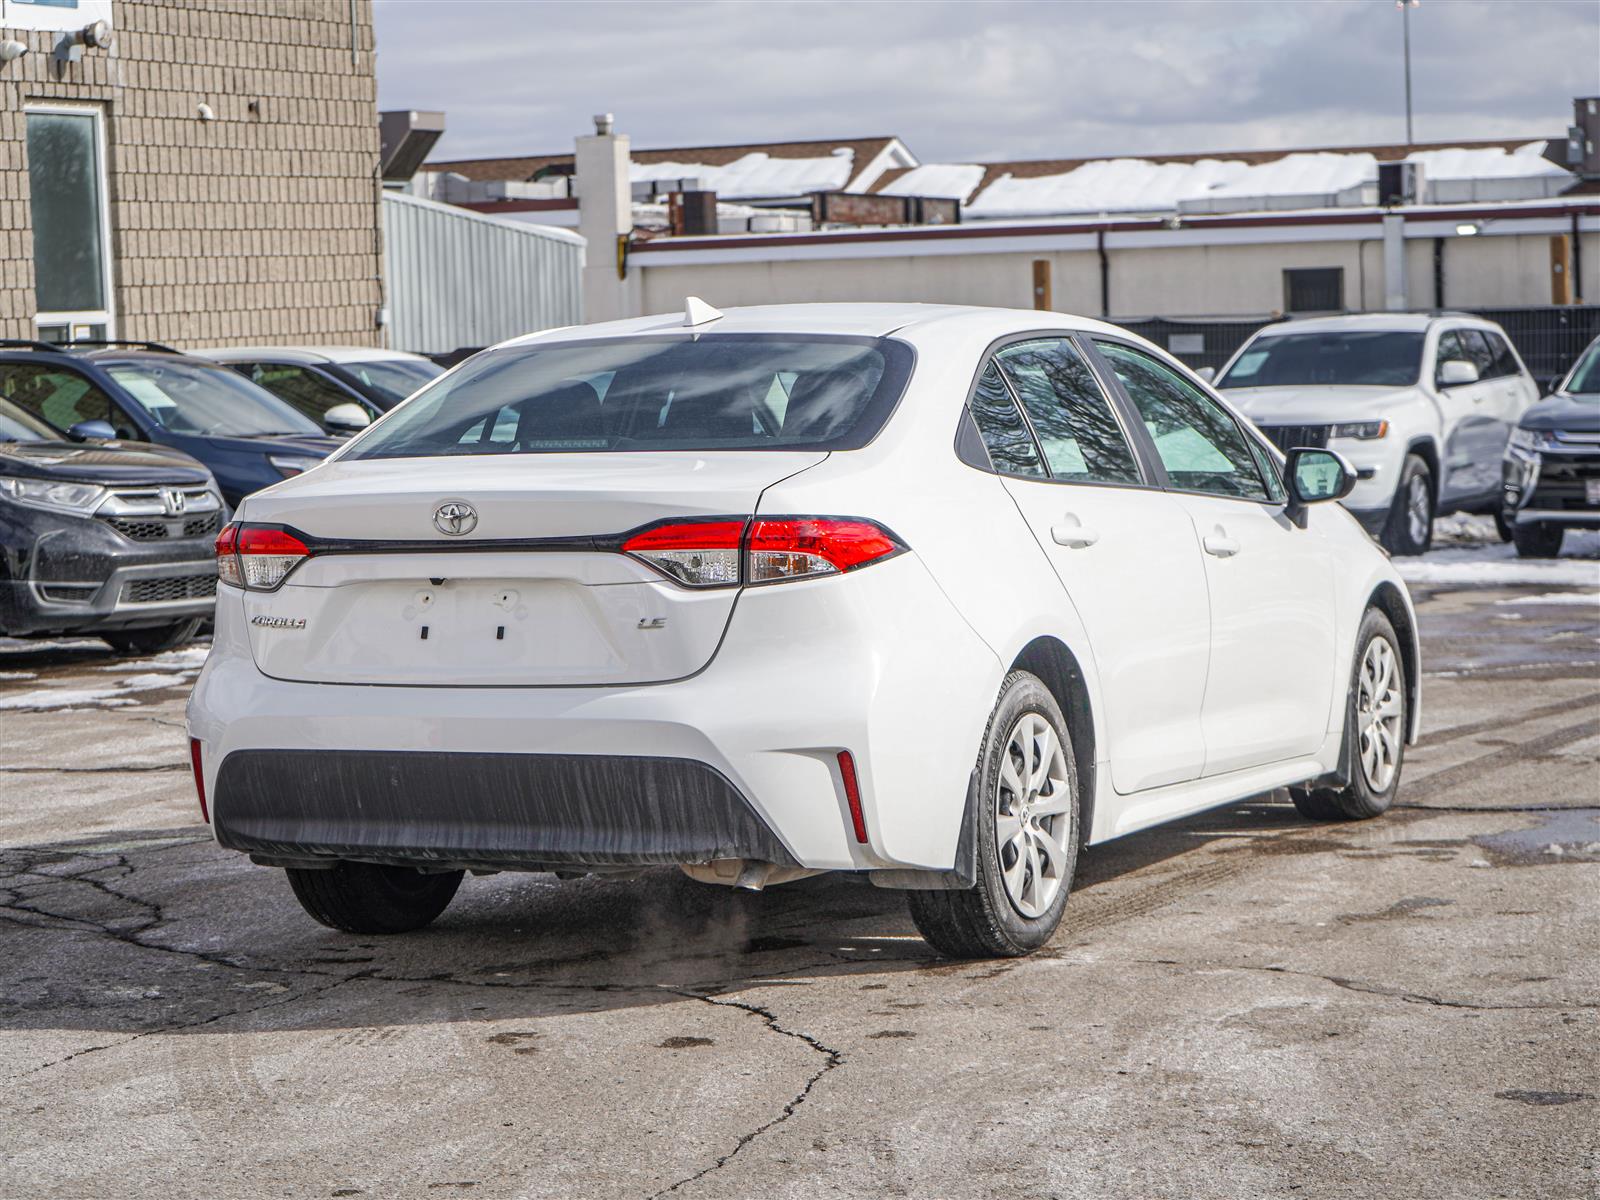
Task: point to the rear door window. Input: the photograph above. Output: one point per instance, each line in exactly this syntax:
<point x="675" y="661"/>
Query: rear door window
<point x="61" y="397"/>
<point x="1071" y="417"/>
<point x="301" y="388"/>
<point x="1505" y="362"/>
<point x="1011" y="446"/>
<point x="703" y="393"/>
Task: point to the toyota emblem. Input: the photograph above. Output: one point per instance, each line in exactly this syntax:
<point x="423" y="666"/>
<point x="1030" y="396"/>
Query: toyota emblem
<point x="455" y="518"/>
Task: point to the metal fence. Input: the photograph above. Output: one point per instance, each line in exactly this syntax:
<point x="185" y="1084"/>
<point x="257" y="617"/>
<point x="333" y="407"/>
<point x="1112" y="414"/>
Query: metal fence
<point x="1548" y="338"/>
<point x="458" y="278"/>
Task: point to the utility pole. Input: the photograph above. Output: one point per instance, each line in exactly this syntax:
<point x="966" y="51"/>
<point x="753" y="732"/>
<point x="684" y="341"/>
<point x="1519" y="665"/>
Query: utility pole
<point x="1405" y="7"/>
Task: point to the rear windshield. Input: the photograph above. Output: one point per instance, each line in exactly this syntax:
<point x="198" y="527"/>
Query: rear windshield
<point x="392" y="379"/>
<point x="712" y="392"/>
<point x="1391" y="359"/>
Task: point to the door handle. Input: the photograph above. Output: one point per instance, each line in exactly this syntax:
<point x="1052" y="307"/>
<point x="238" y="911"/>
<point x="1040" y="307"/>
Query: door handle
<point x="1219" y="544"/>
<point x="1073" y="534"/>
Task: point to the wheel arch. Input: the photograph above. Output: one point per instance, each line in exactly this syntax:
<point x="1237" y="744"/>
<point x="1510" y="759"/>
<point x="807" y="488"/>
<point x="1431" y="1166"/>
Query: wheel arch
<point x="1388" y="599"/>
<point x="1058" y="669"/>
<point x="1425" y="448"/>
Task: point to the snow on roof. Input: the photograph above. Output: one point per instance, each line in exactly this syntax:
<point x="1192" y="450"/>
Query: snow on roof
<point x="757" y="174"/>
<point x="1295" y="179"/>
<point x="1106" y="185"/>
<point x="953" y="181"/>
<point x="1487" y="163"/>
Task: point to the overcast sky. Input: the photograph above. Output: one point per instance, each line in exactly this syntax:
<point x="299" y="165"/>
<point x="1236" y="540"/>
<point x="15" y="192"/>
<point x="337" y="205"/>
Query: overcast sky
<point x="974" y="81"/>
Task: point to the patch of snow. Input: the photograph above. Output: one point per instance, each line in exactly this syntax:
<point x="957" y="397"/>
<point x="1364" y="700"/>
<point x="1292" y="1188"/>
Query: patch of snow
<point x="1583" y="598"/>
<point x="1465" y="527"/>
<point x="1109" y="185"/>
<point x="19" y="675"/>
<point x="954" y="181"/>
<point x="1465" y="568"/>
<point x="110" y="696"/>
<point x="1295" y="180"/>
<point x="36" y="645"/>
<point x="1490" y="162"/>
<point x="757" y="174"/>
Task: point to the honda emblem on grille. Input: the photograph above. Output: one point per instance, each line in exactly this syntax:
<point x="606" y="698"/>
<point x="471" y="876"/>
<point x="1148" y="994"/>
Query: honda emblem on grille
<point x="455" y="518"/>
<point x="173" y="501"/>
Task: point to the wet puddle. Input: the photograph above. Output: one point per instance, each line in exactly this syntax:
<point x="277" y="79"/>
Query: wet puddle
<point x="1571" y="835"/>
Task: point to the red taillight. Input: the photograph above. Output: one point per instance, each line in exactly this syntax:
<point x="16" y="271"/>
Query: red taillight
<point x="852" y="794"/>
<point x="260" y="556"/>
<point x="199" y="778"/>
<point x="724" y="553"/>
<point x="801" y="547"/>
<point x="696" y="553"/>
<point x="227" y="559"/>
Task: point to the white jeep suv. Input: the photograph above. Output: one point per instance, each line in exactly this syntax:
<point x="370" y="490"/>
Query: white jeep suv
<point x="933" y="594"/>
<point x="1422" y="405"/>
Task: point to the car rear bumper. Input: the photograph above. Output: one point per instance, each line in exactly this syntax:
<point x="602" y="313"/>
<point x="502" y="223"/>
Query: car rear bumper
<point x="486" y="811"/>
<point x="740" y="760"/>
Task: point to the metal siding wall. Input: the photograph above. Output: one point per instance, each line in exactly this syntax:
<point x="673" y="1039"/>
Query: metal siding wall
<point x="459" y="279"/>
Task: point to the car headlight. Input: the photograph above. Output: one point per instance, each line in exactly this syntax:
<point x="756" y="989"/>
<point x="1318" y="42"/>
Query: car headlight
<point x="292" y="464"/>
<point x="1524" y="439"/>
<point x="1366" y="431"/>
<point x="78" y="498"/>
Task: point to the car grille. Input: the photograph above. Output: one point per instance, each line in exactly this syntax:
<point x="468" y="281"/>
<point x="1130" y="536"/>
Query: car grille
<point x="166" y="588"/>
<point x="1287" y="437"/>
<point x="154" y="529"/>
<point x="1562" y="483"/>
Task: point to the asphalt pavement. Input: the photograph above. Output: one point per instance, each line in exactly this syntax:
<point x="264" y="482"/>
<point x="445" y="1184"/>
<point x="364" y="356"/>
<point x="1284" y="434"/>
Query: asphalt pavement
<point x="1240" y="1004"/>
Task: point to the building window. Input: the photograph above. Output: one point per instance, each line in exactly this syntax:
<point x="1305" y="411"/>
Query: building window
<point x="58" y="16"/>
<point x="71" y="242"/>
<point x="1313" y="289"/>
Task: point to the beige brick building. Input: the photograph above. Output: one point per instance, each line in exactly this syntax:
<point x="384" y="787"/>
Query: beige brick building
<point x="210" y="176"/>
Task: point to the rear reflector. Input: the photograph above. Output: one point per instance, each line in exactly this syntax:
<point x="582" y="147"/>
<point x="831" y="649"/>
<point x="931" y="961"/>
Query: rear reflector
<point x="199" y="778"/>
<point x="852" y="794"/>
<point x="257" y="557"/>
<point x="724" y="552"/>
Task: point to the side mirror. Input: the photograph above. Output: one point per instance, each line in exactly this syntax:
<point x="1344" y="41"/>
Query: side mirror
<point x="345" y="419"/>
<point x="95" y="430"/>
<point x="1207" y="373"/>
<point x="1549" y="384"/>
<point x="1457" y="371"/>
<point x="1315" y="477"/>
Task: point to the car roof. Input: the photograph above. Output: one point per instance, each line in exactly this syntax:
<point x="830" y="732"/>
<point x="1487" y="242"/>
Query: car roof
<point x="307" y="354"/>
<point x="1395" y="322"/>
<point x="839" y="319"/>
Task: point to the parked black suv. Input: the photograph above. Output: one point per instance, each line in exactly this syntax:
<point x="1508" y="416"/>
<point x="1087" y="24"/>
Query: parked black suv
<point x="110" y="541"/>
<point x="1552" y="463"/>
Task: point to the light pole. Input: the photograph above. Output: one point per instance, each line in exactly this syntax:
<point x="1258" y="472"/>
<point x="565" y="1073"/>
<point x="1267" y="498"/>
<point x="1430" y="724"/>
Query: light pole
<point x="1405" y="7"/>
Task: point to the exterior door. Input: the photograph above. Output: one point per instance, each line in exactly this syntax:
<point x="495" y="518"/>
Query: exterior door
<point x="1272" y="675"/>
<point x="1474" y="430"/>
<point x="1124" y="550"/>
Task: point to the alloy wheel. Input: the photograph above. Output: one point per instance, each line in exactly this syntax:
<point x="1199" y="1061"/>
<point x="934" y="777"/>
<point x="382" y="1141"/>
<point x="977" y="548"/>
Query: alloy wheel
<point x="1033" y="815"/>
<point x="1379" y="708"/>
<point x="1418" y="517"/>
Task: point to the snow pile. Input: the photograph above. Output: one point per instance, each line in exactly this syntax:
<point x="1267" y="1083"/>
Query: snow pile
<point x="1490" y="162"/>
<point x="1313" y="180"/>
<point x="1108" y="185"/>
<point x="757" y="175"/>
<point x="1498" y="566"/>
<point x="952" y="181"/>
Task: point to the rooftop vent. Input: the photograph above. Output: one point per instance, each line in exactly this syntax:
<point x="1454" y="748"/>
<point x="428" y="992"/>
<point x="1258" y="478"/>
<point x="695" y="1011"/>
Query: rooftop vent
<point x="407" y="138"/>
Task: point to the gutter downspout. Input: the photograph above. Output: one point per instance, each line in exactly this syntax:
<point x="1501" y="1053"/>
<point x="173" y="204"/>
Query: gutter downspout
<point x="1438" y="273"/>
<point x="1105" y="273"/>
<point x="1577" y="261"/>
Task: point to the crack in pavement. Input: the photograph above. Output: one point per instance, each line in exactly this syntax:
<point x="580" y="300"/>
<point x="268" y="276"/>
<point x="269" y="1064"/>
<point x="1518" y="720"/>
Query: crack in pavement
<point x="180" y="1026"/>
<point x="1351" y="985"/>
<point x="833" y="1058"/>
<point x="142" y="768"/>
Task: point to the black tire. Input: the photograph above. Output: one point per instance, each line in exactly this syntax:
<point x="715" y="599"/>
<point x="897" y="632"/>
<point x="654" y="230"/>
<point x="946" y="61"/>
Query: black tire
<point x="982" y="921"/>
<point x="1538" y="541"/>
<point x="1399" y="537"/>
<point x="152" y="641"/>
<point x="1360" y="799"/>
<point x="366" y="898"/>
<point x="1502" y="526"/>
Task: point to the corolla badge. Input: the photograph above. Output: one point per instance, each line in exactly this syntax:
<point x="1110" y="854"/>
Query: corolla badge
<point x="278" y="622"/>
<point x="455" y="518"/>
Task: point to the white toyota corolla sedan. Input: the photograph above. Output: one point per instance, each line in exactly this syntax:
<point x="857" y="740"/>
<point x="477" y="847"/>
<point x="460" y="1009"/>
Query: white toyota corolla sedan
<point x="937" y="594"/>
